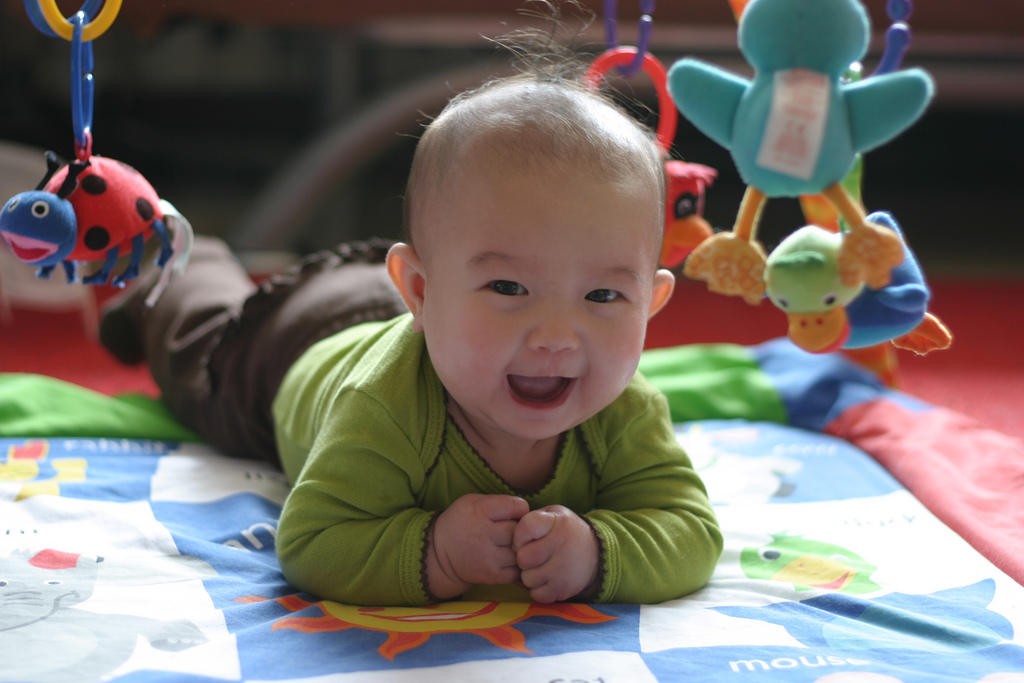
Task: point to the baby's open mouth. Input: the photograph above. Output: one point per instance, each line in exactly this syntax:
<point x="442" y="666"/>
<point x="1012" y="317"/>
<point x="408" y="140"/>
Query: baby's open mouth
<point x="543" y="390"/>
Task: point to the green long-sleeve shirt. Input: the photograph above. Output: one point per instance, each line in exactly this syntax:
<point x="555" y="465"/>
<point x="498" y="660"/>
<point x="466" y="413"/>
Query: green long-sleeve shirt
<point x="366" y="440"/>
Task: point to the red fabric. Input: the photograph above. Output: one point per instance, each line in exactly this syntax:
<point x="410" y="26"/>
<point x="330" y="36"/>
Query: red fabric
<point x="970" y="477"/>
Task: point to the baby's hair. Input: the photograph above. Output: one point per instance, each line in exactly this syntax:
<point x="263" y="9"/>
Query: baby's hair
<point x="543" y="117"/>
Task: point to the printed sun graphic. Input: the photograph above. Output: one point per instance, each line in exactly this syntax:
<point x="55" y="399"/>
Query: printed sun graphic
<point x="410" y="627"/>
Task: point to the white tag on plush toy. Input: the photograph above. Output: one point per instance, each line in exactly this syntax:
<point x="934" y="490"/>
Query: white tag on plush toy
<point x="182" y="236"/>
<point x="796" y="123"/>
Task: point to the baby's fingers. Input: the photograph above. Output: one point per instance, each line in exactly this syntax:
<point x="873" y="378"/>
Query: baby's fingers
<point x="504" y="571"/>
<point x="545" y="593"/>
<point x="499" y="508"/>
<point x="533" y="526"/>
<point x="501" y="534"/>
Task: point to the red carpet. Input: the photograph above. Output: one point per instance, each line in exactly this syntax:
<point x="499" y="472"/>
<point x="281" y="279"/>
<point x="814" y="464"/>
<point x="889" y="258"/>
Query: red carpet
<point x="56" y="344"/>
<point x="982" y="375"/>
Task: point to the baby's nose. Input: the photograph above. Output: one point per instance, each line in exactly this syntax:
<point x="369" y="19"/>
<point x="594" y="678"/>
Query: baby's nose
<point x="556" y="331"/>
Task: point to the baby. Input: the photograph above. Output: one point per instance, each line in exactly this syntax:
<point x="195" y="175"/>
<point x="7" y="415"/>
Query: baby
<point x="467" y="413"/>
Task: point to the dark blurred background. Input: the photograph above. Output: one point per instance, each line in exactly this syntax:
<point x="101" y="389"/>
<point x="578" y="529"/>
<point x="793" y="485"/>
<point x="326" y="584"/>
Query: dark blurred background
<point x="290" y="125"/>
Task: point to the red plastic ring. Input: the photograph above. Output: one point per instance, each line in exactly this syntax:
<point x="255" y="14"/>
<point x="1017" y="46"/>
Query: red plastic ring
<point x="655" y="70"/>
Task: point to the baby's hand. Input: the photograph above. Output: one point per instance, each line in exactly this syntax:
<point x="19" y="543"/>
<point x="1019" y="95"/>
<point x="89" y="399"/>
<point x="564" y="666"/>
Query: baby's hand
<point x="471" y="543"/>
<point x="557" y="552"/>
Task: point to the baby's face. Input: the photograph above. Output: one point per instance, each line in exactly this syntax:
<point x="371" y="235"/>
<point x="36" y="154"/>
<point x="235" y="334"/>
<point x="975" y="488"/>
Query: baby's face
<point x="538" y="291"/>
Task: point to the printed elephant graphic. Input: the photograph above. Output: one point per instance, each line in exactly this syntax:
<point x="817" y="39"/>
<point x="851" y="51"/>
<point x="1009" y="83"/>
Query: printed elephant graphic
<point x="44" y="637"/>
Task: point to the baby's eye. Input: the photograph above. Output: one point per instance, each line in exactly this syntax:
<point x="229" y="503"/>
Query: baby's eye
<point x="603" y="296"/>
<point x="508" y="288"/>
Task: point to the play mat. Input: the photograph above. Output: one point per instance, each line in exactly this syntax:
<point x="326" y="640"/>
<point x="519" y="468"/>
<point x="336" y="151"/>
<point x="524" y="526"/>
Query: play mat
<point x="131" y="552"/>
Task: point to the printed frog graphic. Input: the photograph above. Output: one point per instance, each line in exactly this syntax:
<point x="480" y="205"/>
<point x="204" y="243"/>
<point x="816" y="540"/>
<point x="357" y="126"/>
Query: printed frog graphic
<point x="809" y="564"/>
<point x="38" y="597"/>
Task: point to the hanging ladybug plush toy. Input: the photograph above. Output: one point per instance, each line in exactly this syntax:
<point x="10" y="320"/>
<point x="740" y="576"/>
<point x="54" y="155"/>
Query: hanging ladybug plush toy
<point x="87" y="211"/>
<point x="94" y="208"/>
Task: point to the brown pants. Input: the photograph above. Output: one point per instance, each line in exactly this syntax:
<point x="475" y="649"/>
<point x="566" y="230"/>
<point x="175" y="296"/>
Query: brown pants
<point x="218" y="346"/>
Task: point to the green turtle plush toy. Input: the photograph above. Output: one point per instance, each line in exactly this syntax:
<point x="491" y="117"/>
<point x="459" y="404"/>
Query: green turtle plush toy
<point x="802" y="279"/>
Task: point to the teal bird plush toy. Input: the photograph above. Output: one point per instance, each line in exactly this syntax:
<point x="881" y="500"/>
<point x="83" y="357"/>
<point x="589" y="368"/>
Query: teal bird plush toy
<point x="802" y="279"/>
<point x="796" y="129"/>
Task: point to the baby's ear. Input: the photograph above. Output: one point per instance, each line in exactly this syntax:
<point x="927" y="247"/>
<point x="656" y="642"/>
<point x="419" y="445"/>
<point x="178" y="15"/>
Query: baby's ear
<point x="664" y="283"/>
<point x="406" y="271"/>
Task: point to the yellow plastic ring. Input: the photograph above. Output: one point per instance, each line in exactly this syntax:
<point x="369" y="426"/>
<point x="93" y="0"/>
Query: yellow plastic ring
<point x="94" y="29"/>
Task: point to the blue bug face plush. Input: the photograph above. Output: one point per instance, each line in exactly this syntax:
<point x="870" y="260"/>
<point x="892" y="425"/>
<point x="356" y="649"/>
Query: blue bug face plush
<point x="39" y="227"/>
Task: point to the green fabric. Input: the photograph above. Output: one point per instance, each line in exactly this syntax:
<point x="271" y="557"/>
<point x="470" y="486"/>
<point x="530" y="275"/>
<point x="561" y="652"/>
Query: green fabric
<point x="39" y="406"/>
<point x="365" y="436"/>
<point x="713" y="382"/>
